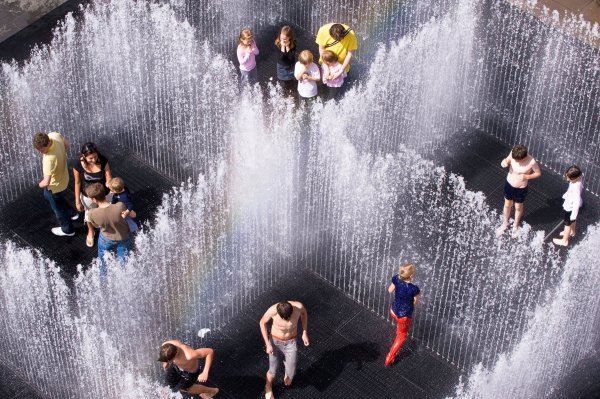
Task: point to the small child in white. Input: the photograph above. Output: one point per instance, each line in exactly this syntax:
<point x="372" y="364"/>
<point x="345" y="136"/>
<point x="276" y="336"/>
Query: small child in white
<point x="571" y="205"/>
<point x="333" y="73"/>
<point x="307" y="73"/>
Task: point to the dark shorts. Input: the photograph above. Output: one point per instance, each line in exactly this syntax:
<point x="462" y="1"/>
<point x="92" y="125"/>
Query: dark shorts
<point x="178" y="379"/>
<point x="514" y="194"/>
<point x="567" y="218"/>
<point x="285" y="72"/>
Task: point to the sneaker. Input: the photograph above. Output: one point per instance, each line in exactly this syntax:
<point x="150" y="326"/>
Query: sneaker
<point x="75" y="216"/>
<point x="57" y="231"/>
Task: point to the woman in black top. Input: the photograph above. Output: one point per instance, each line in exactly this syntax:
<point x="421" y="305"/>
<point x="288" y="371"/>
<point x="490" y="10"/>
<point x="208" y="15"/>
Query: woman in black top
<point x="91" y="167"/>
<point x="286" y="60"/>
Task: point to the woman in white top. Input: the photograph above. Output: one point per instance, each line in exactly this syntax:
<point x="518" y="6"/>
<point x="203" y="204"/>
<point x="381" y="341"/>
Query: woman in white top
<point x="522" y="167"/>
<point x="573" y="202"/>
<point x="307" y="73"/>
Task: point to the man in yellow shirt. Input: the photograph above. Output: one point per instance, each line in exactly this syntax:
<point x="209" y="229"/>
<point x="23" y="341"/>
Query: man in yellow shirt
<point x="54" y="147"/>
<point x="340" y="39"/>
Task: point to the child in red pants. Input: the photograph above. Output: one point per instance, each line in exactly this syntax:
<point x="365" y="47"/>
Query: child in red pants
<point x="406" y="296"/>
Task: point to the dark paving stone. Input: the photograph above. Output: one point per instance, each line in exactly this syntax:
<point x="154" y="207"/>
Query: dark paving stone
<point x="13" y="387"/>
<point x="344" y="359"/>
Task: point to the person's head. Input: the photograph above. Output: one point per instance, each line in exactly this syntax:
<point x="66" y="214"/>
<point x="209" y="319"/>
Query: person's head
<point x="167" y="353"/>
<point x="519" y="152"/>
<point x="89" y="154"/>
<point x="407" y="271"/>
<point x="337" y="31"/>
<point x="96" y="192"/>
<point x="329" y="57"/>
<point x="116" y="185"/>
<point x="285" y="310"/>
<point x="305" y="57"/>
<point x="41" y="142"/>
<point x="246" y="37"/>
<point x="286" y="37"/>
<point x="573" y="173"/>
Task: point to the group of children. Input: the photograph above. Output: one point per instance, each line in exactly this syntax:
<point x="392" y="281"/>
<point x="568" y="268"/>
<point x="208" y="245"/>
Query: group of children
<point x="299" y="73"/>
<point x="522" y="167"/>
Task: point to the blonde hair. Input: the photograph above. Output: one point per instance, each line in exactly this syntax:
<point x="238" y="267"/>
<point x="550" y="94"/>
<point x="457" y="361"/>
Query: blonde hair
<point x="246" y="33"/>
<point x="406" y="271"/>
<point x="329" y="56"/>
<point x="116" y="184"/>
<point x="305" y="57"/>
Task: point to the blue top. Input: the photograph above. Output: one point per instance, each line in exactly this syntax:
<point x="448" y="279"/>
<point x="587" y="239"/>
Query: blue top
<point x="124" y="197"/>
<point x="404" y="296"/>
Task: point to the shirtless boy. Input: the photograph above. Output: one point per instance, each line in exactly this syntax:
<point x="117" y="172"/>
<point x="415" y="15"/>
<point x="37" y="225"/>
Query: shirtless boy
<point x="182" y="365"/>
<point x="282" y="343"/>
<point x="522" y="167"/>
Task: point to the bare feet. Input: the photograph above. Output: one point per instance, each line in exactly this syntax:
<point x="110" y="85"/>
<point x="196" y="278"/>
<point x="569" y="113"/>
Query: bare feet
<point x="500" y="230"/>
<point x="560" y="242"/>
<point x="562" y="233"/>
<point x="208" y="395"/>
<point x="514" y="233"/>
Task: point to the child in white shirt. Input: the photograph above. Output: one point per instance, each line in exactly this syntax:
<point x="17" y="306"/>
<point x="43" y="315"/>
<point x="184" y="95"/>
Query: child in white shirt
<point x="571" y="205"/>
<point x="307" y="73"/>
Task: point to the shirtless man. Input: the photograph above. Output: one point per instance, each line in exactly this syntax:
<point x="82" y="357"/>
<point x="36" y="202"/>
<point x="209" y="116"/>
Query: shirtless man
<point x="522" y="167"/>
<point x="182" y="365"/>
<point x="282" y="343"/>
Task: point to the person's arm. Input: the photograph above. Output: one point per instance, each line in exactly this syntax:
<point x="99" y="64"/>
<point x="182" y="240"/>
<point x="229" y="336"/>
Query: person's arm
<point x="107" y="174"/>
<point x="391" y="288"/>
<point x="45" y="182"/>
<point x="242" y="54"/>
<point x="416" y="299"/>
<point x="345" y="64"/>
<point x="537" y="172"/>
<point x="326" y="72"/>
<point x="506" y="161"/>
<point x="304" y="320"/>
<point x="77" y="179"/>
<point x="317" y="76"/>
<point x="208" y="354"/>
<point x="321" y="49"/>
<point x="263" y="328"/>
<point x="299" y="71"/>
<point x="254" y="48"/>
<point x="66" y="143"/>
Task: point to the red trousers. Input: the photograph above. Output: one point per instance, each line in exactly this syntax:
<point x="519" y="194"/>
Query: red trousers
<point x="403" y="324"/>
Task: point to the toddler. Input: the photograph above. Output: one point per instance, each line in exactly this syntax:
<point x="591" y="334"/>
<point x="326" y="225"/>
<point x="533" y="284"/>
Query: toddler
<point x="307" y="73"/>
<point x="121" y="194"/>
<point x="333" y="73"/>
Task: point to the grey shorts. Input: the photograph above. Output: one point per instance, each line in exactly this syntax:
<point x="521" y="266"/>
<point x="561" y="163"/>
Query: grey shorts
<point x="286" y="351"/>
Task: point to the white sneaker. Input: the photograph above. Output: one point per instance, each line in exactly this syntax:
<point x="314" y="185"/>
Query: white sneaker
<point x="57" y="231"/>
<point x="75" y="216"/>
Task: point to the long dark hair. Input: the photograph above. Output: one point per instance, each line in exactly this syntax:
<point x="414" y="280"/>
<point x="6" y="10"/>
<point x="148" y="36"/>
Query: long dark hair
<point x="87" y="149"/>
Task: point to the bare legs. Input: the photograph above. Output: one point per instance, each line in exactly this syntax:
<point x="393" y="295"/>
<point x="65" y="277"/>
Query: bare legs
<point x="506" y="211"/>
<point x="269" y="386"/>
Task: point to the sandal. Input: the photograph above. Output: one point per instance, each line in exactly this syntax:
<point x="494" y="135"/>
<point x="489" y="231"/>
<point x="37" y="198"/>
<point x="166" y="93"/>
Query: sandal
<point x="89" y="240"/>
